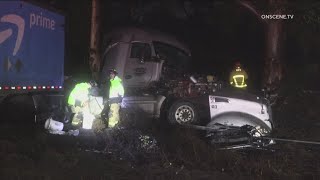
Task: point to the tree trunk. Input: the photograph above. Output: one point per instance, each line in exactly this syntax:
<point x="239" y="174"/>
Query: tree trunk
<point x="95" y="60"/>
<point x="273" y="69"/>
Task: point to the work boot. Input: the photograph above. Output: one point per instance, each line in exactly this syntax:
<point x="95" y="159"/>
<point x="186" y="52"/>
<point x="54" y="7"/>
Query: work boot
<point x="98" y="126"/>
<point x="109" y="140"/>
<point x="114" y="116"/>
<point x="77" y="120"/>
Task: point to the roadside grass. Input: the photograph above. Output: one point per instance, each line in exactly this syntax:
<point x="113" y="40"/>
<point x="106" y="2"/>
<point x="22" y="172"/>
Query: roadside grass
<point x="27" y="152"/>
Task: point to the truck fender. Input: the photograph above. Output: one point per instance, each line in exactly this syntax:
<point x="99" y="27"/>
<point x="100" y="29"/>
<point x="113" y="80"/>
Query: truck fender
<point x="161" y="100"/>
<point x="239" y="119"/>
<point x="165" y="106"/>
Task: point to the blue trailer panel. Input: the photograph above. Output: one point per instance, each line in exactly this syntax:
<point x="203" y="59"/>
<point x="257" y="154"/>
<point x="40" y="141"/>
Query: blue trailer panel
<point x="31" y="47"/>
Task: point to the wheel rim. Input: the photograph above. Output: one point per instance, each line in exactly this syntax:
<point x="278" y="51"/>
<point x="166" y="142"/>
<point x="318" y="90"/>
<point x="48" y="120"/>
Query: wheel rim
<point x="184" y="114"/>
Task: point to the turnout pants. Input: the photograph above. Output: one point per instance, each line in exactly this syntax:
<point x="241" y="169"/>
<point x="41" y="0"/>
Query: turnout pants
<point x="114" y="115"/>
<point x="78" y="114"/>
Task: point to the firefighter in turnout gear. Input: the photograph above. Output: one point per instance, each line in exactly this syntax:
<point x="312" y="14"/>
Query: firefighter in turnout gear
<point x="238" y="77"/>
<point x="78" y="101"/>
<point x="116" y="93"/>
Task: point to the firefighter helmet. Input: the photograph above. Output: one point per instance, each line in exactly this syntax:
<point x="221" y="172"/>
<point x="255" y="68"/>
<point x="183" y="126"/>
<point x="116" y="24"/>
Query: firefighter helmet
<point x="113" y="71"/>
<point x="92" y="83"/>
<point x="237" y="64"/>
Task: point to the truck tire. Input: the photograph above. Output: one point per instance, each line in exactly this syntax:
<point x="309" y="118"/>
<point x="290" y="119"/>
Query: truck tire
<point x="183" y="112"/>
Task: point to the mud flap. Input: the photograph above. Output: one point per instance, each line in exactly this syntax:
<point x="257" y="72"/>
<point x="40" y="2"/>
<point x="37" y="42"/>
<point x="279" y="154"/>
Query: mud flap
<point x="2" y="98"/>
<point x="49" y="105"/>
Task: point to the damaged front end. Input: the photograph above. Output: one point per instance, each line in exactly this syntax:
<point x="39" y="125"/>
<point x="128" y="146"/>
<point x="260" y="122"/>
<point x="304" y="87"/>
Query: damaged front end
<point x="239" y="120"/>
<point x="232" y="137"/>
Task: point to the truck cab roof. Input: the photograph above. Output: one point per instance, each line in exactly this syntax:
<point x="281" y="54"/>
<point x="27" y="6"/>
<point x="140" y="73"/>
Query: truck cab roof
<point x="133" y="34"/>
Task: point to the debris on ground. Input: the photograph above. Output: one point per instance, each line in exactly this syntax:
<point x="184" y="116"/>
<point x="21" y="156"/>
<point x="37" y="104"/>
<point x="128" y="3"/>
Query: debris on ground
<point x="98" y="125"/>
<point x="70" y="132"/>
<point x="148" y="143"/>
<point x="131" y="145"/>
<point x="57" y="132"/>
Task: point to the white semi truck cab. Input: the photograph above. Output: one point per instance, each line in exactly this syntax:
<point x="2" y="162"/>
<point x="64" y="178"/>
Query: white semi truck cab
<point x="139" y="55"/>
<point x="143" y="58"/>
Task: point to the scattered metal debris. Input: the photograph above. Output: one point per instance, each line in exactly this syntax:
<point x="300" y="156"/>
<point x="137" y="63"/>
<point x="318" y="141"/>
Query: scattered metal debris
<point x="70" y="133"/>
<point x="252" y="135"/>
<point x="147" y="143"/>
<point x="57" y="132"/>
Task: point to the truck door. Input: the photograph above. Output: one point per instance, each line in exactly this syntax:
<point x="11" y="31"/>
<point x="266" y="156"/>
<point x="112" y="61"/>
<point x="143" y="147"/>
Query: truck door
<point x="139" y="69"/>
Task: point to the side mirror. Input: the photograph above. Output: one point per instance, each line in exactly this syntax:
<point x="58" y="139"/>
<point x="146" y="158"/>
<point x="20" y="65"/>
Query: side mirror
<point x="264" y="91"/>
<point x="155" y="59"/>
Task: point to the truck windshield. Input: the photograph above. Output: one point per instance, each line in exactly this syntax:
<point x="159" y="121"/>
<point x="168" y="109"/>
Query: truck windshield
<point x="172" y="56"/>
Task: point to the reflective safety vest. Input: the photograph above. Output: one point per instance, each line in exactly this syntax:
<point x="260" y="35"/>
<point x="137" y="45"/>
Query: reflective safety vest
<point x="238" y="78"/>
<point x="116" y="88"/>
<point x="80" y="92"/>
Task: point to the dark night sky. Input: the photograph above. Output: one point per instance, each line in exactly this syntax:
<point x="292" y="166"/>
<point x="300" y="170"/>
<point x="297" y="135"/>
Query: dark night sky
<point x="217" y="35"/>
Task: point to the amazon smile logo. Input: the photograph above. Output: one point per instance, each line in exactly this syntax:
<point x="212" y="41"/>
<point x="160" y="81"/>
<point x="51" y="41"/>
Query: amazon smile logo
<point x="4" y="35"/>
<point x="7" y="33"/>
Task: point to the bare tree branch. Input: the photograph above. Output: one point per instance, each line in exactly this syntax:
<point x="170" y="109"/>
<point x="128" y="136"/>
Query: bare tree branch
<point x="187" y="13"/>
<point x="252" y="8"/>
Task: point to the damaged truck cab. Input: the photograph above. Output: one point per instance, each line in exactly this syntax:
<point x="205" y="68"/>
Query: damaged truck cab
<point x="154" y="68"/>
<point x="142" y="59"/>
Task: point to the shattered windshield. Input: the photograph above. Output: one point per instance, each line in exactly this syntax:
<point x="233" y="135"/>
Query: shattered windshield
<point x="173" y="56"/>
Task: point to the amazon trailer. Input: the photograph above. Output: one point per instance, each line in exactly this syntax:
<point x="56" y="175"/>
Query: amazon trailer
<point x="31" y="53"/>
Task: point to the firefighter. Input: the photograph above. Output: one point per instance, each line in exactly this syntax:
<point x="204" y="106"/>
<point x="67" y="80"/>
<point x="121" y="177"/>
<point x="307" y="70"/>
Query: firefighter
<point x="78" y="101"/>
<point x="116" y="93"/>
<point x="211" y="79"/>
<point x="238" y="77"/>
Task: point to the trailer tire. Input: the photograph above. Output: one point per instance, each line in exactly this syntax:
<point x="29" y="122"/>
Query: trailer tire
<point x="183" y="112"/>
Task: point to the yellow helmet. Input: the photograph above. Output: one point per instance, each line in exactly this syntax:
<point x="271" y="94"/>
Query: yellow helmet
<point x="210" y="78"/>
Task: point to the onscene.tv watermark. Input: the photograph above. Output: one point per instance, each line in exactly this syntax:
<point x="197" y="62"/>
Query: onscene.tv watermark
<point x="277" y="16"/>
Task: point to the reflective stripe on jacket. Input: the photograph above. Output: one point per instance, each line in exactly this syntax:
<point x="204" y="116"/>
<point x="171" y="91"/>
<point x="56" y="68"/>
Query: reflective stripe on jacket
<point x="238" y="78"/>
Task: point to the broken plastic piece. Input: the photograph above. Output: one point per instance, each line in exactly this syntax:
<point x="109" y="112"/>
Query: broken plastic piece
<point x="73" y="132"/>
<point x="57" y="132"/>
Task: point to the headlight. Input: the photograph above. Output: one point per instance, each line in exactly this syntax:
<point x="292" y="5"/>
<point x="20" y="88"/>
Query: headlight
<point x="264" y="109"/>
